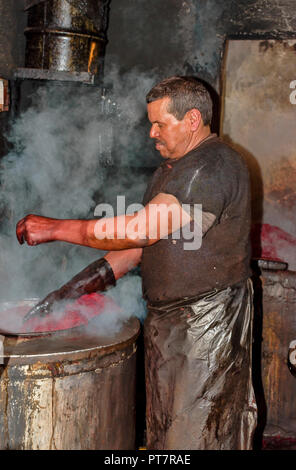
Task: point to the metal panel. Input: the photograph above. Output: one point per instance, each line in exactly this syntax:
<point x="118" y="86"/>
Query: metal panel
<point x="259" y="119"/>
<point x="279" y="330"/>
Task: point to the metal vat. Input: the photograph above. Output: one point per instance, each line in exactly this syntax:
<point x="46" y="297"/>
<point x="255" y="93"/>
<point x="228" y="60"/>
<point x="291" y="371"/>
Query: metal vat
<point x="69" y="390"/>
<point x="67" y="35"/>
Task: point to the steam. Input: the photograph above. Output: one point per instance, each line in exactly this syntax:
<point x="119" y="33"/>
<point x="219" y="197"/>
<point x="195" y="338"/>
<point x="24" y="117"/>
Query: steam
<point x="53" y="171"/>
<point x="110" y="322"/>
<point x="60" y="167"/>
<point x="126" y="295"/>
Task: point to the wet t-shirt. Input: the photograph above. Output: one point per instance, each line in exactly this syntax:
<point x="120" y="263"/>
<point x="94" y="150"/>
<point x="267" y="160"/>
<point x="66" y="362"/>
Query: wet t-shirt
<point x="214" y="178"/>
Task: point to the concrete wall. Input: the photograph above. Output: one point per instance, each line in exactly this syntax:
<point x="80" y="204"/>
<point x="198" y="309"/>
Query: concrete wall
<point x="189" y="35"/>
<point x="12" y="40"/>
<point x="259" y="119"/>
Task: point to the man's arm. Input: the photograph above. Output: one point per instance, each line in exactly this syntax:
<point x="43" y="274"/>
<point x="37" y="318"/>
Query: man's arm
<point x="123" y="261"/>
<point x="124" y="237"/>
<point x="162" y="216"/>
<point x="99" y="276"/>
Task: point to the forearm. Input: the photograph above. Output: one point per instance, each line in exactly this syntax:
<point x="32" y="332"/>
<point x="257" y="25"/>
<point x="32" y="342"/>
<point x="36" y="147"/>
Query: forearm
<point x="102" y="273"/>
<point x="162" y="216"/>
<point x="123" y="261"/>
<point x="96" y="277"/>
<point x="99" y="276"/>
<point x="97" y="234"/>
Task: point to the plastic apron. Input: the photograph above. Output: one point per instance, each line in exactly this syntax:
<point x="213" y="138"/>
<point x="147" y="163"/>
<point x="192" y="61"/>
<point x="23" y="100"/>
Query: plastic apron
<point x="198" y="372"/>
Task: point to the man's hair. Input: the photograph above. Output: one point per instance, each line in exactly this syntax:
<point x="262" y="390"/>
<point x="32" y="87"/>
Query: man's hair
<point x="185" y="94"/>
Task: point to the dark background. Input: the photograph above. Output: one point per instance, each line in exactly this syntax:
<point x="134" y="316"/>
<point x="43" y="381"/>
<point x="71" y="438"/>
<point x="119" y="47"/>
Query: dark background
<point x="163" y="36"/>
<point x="162" y="33"/>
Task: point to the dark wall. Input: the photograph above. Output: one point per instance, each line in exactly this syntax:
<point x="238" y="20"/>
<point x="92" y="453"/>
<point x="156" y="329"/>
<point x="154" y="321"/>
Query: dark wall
<point x="189" y="35"/>
<point x="167" y="35"/>
<point x="12" y="41"/>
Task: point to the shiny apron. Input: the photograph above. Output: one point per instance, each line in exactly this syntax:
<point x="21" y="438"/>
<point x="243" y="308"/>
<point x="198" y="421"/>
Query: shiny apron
<point x="198" y="372"/>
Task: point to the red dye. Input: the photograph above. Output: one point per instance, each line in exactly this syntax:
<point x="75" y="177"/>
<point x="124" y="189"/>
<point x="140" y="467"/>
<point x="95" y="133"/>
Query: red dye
<point x="268" y="240"/>
<point x="75" y="314"/>
<point x="278" y="443"/>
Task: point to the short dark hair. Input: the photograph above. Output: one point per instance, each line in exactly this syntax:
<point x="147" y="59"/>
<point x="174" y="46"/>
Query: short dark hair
<point x="185" y="93"/>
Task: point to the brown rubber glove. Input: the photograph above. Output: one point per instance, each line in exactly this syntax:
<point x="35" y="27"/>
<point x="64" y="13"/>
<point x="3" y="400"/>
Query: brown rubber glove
<point x="96" y="277"/>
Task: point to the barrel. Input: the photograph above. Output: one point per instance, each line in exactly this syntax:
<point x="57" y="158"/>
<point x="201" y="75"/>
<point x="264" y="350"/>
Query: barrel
<point x="67" y="35"/>
<point x="71" y="390"/>
<point x="278" y="354"/>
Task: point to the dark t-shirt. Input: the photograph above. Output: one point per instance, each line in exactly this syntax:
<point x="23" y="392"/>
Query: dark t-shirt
<point x="215" y="176"/>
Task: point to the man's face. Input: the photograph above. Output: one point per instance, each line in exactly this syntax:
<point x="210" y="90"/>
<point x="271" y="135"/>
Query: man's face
<point x="172" y="137"/>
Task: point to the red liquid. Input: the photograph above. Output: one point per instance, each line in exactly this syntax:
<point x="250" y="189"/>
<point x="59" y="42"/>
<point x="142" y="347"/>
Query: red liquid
<point x="75" y="314"/>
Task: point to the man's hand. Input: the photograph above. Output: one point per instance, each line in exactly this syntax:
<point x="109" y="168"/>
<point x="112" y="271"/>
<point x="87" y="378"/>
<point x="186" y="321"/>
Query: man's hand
<point x="45" y="307"/>
<point x="96" y="277"/>
<point x="35" y="229"/>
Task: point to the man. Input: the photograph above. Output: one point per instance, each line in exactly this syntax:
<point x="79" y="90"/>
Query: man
<point x="198" y="329"/>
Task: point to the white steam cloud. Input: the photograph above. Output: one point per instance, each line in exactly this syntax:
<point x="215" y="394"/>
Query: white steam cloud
<point x="59" y="167"/>
<point x="126" y="295"/>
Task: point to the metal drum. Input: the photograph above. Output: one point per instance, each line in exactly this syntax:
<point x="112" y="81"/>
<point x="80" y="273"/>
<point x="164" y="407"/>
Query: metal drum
<point x="66" y="35"/>
<point x="72" y="389"/>
<point x="278" y="356"/>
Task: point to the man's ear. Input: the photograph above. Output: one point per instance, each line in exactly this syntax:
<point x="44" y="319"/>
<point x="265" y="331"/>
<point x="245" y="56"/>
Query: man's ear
<point x="195" y="118"/>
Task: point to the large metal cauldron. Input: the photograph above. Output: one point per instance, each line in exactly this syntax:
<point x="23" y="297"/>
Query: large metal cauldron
<point x="72" y="389"/>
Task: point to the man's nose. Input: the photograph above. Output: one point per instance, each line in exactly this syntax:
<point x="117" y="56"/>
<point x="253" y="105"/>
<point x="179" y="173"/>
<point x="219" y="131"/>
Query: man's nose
<point x="154" y="133"/>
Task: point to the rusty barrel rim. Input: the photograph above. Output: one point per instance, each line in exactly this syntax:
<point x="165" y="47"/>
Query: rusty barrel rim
<point x="30" y="302"/>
